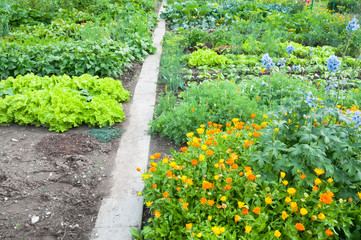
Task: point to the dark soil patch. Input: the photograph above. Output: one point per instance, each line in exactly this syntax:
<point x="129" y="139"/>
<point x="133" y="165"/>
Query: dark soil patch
<point x="51" y="185"/>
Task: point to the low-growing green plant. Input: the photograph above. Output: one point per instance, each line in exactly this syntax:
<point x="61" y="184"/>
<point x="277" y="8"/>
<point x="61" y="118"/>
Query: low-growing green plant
<point x="107" y="58"/>
<point x="208" y="101"/>
<point x="60" y="103"/>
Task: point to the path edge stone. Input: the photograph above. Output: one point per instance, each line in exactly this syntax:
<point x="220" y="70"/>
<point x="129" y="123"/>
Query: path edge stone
<point x="123" y="208"/>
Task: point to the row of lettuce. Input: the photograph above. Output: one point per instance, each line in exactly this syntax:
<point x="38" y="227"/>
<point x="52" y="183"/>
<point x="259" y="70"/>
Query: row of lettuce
<point x="52" y="54"/>
<point x="269" y="132"/>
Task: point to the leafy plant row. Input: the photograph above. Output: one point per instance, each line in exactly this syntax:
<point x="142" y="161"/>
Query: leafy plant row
<point x="60" y="103"/>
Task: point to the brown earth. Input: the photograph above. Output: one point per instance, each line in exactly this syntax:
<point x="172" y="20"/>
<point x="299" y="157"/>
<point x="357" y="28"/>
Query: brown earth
<point x="51" y="185"/>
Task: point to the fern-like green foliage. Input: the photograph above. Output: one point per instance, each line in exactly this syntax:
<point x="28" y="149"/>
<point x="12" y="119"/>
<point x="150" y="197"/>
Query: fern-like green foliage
<point x="62" y="102"/>
<point x="199" y="103"/>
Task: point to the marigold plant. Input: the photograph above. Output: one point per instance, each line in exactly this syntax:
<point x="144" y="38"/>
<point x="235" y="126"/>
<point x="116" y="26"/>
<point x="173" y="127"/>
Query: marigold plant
<point x="224" y="197"/>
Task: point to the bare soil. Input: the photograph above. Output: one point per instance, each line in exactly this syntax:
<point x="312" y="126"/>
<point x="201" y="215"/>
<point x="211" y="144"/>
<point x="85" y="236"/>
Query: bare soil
<point x="51" y="185"/>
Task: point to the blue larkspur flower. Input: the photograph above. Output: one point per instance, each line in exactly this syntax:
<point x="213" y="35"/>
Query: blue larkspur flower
<point x="352" y="25"/>
<point x="333" y="63"/>
<point x="267" y="61"/>
<point x="290" y="49"/>
<point x="281" y="63"/>
<point x="296" y="68"/>
<point x="310" y="52"/>
<point x="310" y="99"/>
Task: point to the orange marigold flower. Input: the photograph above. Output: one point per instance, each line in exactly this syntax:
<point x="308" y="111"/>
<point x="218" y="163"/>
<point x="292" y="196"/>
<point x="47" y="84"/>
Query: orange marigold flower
<point x="235" y="166"/>
<point x="302" y="176"/>
<point x="209" y="152"/>
<point x="315" y="188"/>
<point x="185" y="205"/>
<point x="256" y="134"/>
<point x="152" y="169"/>
<point x="138" y="169"/>
<point x="256" y="210"/>
<point x="228" y="187"/>
<point x="326" y="198"/>
<point x="183" y="149"/>
<point x="300" y="227"/>
<point x="229" y="180"/>
<point x="157" y="213"/>
<point x="241" y="174"/>
<point x="253" y="115"/>
<point x="154" y="185"/>
<point x="169" y="174"/>
<point x="236" y="218"/>
<point x="194" y="162"/>
<point x="178" y="188"/>
<point x="288" y="200"/>
<point x="203" y="200"/>
<point x="189" y="226"/>
<point x="251" y="177"/>
<point x="165" y="195"/>
<point x="206" y="185"/>
<point x="245" y="211"/>
<point x="330" y="180"/>
<point x="157" y="155"/>
<point x="210" y="202"/>
<point x="329" y="232"/>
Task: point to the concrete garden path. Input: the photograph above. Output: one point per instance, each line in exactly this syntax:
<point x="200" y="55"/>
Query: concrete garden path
<point x="123" y="208"/>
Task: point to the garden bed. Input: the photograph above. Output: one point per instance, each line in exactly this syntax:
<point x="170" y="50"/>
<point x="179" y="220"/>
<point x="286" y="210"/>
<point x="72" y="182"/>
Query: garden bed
<point x="52" y="185"/>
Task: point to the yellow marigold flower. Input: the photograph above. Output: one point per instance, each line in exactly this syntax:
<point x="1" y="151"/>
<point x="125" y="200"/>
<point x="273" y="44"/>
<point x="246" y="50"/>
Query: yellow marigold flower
<point x="165" y="160"/>
<point x="248" y="229"/>
<point x="277" y="233"/>
<point x="139" y="193"/>
<point x="303" y="211"/>
<point x="288" y="200"/>
<point x="314" y="218"/>
<point x="199" y="235"/>
<point x="317" y="181"/>
<point x="359" y="195"/>
<point x="321" y="216"/>
<point x="319" y="171"/>
<point x="236" y="218"/>
<point x="291" y="191"/>
<point x="185" y="205"/>
<point x="241" y="205"/>
<point x="209" y="218"/>
<point x="201" y="158"/>
<point x="268" y="200"/>
<point x="190" y="134"/>
<point x="264" y="124"/>
<point x="284" y="215"/>
<point x="277" y="129"/>
<point x="204" y="147"/>
<point x="265" y="116"/>
<point x="200" y="130"/>
<point x="223" y="198"/>
<point x="283" y="174"/>
<point x="149" y="203"/>
<point x="216" y="177"/>
<point x="285" y="182"/>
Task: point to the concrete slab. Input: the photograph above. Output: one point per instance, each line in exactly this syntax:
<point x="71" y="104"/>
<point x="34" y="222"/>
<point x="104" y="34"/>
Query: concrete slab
<point x="123" y="208"/>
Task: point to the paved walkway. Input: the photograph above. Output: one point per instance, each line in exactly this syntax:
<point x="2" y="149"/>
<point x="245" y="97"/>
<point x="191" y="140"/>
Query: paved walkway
<point x="123" y="208"/>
